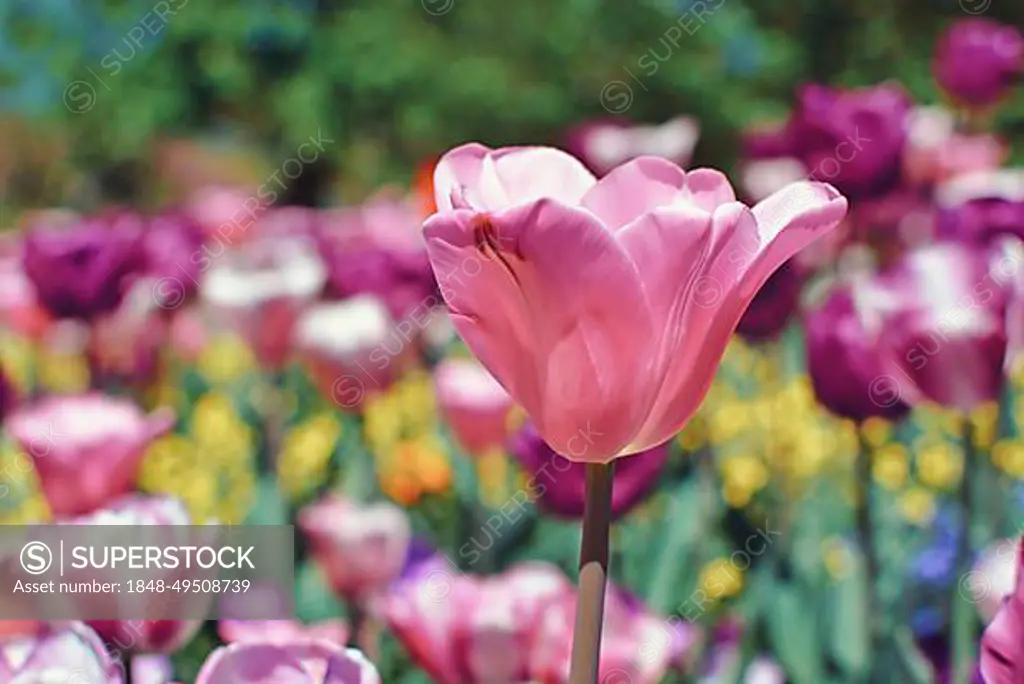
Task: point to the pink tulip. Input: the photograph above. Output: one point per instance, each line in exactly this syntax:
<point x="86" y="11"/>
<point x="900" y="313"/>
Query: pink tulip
<point x="474" y="405"/>
<point x="361" y="548"/>
<point x="603" y="145"/>
<point x="87" y="448"/>
<point x="220" y="209"/>
<point x="464" y="629"/>
<point x="994" y="577"/>
<point x="1002" y="646"/>
<point x="604" y="307"/>
<point x="517" y="627"/>
<point x="69" y="652"/>
<point x="761" y="178"/>
<point x="352" y="349"/>
<point x="281" y="631"/>
<point x="301" y="662"/>
<point x="260" y="291"/>
<point x="129" y="635"/>
<point x="936" y="151"/>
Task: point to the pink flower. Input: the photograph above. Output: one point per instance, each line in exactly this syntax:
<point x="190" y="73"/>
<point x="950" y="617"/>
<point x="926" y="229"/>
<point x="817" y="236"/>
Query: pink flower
<point x="940" y="316"/>
<point x="1002" y="646"/>
<point x="935" y="151"/>
<point x="604" y="307"/>
<point x="87" y="448"/>
<point x="261" y="290"/>
<point x="351" y="348"/>
<point x="996" y="571"/>
<point x="360" y="548"/>
<point x="281" y="631"/>
<point x="121" y="630"/>
<point x="464" y="629"/>
<point x="61" y="653"/>
<point x="300" y="662"/>
<point x="517" y="627"/>
<point x="603" y="145"/>
<point x="474" y="405"/>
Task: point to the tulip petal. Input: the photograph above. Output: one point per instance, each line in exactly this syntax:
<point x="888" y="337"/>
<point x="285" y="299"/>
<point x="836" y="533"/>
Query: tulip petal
<point x="351" y="667"/>
<point x="548" y="293"/>
<point x="749" y="245"/>
<point x="253" y="664"/>
<point x="709" y="189"/>
<point x="474" y="176"/>
<point x="151" y="669"/>
<point x="670" y="247"/>
<point x="633" y="189"/>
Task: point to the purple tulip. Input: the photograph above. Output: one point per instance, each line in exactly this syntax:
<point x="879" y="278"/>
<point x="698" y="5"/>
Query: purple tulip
<point x="559" y="483"/>
<point x="61" y="653"/>
<point x="774" y="305"/>
<point x="845" y="363"/>
<point x="977" y="61"/>
<point x="377" y="249"/>
<point x="852" y="139"/>
<point x="84" y="271"/>
<point x="942" y="323"/>
<point x="980" y="207"/>
<point x="299" y="662"/>
<point x="1002" y="646"/>
<point x="172" y="243"/>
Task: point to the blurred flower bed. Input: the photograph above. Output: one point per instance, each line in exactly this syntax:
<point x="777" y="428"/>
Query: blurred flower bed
<point x="844" y="506"/>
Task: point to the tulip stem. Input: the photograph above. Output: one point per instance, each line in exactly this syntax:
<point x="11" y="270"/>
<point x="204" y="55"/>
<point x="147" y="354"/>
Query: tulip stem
<point x="866" y="533"/>
<point x="597" y="516"/>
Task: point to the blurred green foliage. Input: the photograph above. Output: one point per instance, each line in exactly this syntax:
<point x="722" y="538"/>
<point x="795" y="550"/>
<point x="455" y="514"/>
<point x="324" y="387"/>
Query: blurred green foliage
<point x="393" y="82"/>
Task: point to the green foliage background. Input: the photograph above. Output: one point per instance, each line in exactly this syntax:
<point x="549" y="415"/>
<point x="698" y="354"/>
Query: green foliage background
<point x="393" y="84"/>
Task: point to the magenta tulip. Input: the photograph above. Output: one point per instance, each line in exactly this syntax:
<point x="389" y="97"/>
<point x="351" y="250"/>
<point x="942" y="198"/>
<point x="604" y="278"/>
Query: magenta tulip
<point x="941" y="320"/>
<point x="984" y="206"/>
<point x="978" y="61"/>
<point x="603" y="145"/>
<point x="559" y="484"/>
<point x="774" y="306"/>
<point x="86" y="449"/>
<point x="67" y="652"/>
<point x="299" y="662"/>
<point x="847" y="368"/>
<point x="361" y="548"/>
<point x="474" y="405"/>
<point x="1002" y="646"/>
<point x="604" y="307"/>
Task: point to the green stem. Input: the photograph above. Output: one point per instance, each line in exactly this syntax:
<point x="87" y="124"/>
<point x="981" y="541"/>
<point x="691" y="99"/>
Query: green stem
<point x="962" y="610"/>
<point x="866" y="535"/>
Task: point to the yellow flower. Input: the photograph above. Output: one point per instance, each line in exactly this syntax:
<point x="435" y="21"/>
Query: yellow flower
<point x="743" y="476"/>
<point x="63" y="373"/>
<point x="433" y="469"/>
<point x="494" y="471"/>
<point x="727" y="421"/>
<point x="986" y="415"/>
<point x="890" y="467"/>
<point x="1008" y="456"/>
<point x="940" y="466"/>
<point x="225" y="359"/>
<point x="17" y="355"/>
<point x="838" y="557"/>
<point x="219" y="432"/>
<point x="720" y="579"/>
<point x="917" y="505"/>
<point x="306" y="454"/>
<point x="877" y="431"/>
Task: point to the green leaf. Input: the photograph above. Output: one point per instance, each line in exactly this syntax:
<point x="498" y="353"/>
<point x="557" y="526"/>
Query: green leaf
<point x="314" y="600"/>
<point x="793" y="634"/>
<point x="270" y="508"/>
<point x="847" y="607"/>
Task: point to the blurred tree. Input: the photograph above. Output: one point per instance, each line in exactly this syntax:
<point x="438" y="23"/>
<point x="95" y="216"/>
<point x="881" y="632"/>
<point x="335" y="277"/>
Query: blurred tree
<point x="391" y="82"/>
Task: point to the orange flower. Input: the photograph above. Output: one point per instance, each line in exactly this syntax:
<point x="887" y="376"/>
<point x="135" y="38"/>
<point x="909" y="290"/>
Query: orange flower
<point x="423" y="186"/>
